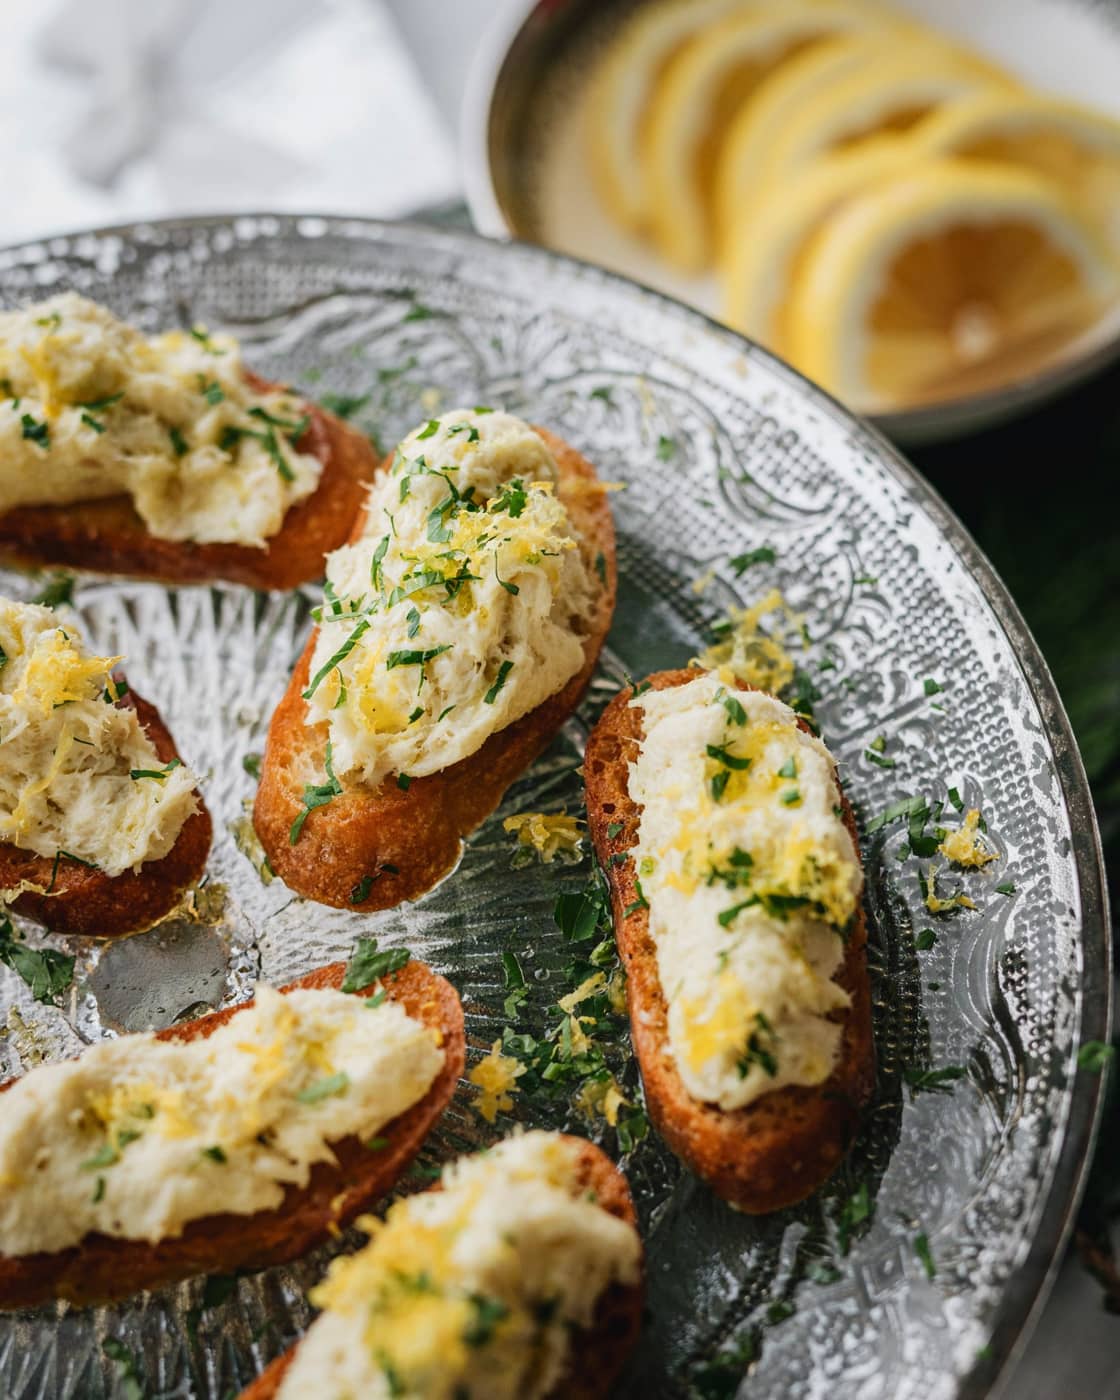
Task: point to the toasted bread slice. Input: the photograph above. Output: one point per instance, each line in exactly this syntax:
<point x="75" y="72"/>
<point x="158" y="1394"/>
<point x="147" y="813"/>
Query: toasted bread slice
<point x="596" y="1354"/>
<point x="104" y="1267"/>
<point x="778" y="1149"/>
<point x="108" y="536"/>
<point x="391" y="844"/>
<point x="85" y="900"/>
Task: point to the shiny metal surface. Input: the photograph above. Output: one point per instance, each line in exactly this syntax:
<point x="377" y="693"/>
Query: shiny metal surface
<point x="894" y="593"/>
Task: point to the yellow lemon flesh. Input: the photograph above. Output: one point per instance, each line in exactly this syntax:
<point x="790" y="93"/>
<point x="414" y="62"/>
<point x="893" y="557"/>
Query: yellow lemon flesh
<point x="699" y="93"/>
<point x="887" y="99"/>
<point x="765" y="245"/>
<point x="948" y="280"/>
<point x="617" y="109"/>
<point x="761" y="123"/>
<point x="1078" y="149"/>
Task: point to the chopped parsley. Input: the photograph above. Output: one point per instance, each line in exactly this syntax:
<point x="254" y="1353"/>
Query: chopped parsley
<point x="48" y="974"/>
<point x="722" y="1377"/>
<point x="875" y="751"/>
<point x="932" y="1081"/>
<point x="178" y="442"/>
<point x="931" y="687"/>
<point x="367" y="964"/>
<point x="760" y="1049"/>
<point x="516" y="988"/>
<point x="93" y="423"/>
<point x="130" y="1387"/>
<point x="344" y="405"/>
<point x="1093" y="1056"/>
<point x="509" y="587"/>
<point x="788" y="769"/>
<point x="375" y="563"/>
<point x="604" y="393"/>
<point x="414" y="658"/>
<point x="925" y="1255"/>
<point x="641" y="902"/>
<point x="740" y="563"/>
<point x="735" y="711"/>
<point x="613" y="828"/>
<point x="33" y="431"/>
<point x="722" y="755"/>
<point x="340" y="655"/>
<point x="100" y="405"/>
<point x="52" y="322"/>
<point x="499" y="681"/>
<point x="57" y="592"/>
<point x="59" y="857"/>
<point x="251" y="762"/>
<point x="924" y="940"/>
<point x="488" y="1312"/>
<point x="574" y="1063"/>
<point x="718" y="784"/>
<point x="360" y="892"/>
<point x="512" y="500"/>
<point x="857" y="1210"/>
<point x="666" y="448"/>
<point x="736" y="873"/>
<point x="316" y="795"/>
<point x="601" y="567"/>
<point x="216" y="1154"/>
<point x="202" y="335"/>
<point x="418" y="312"/>
<point x="328" y="1088"/>
<point x="403" y="781"/>
<point x="159" y="774"/>
<point x="1008" y="887"/>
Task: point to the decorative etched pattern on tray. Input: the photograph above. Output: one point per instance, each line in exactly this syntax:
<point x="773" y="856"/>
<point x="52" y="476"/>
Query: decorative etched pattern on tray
<point x="721" y="451"/>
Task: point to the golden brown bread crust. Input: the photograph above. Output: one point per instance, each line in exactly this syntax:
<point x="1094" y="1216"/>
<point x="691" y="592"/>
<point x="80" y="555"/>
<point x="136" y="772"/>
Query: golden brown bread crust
<point x="597" y="1353"/>
<point x="418" y="831"/>
<point x="780" y="1148"/>
<point x="87" y="901"/>
<point x="103" y="1267"/>
<point x="109" y="537"/>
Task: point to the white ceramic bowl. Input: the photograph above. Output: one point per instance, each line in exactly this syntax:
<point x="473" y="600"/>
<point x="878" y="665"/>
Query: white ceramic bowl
<point x="1068" y="47"/>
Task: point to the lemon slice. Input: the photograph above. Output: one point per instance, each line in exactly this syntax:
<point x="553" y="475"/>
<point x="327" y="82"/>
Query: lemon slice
<point x="620" y="91"/>
<point x="697" y="95"/>
<point x="886" y="98"/>
<point x="953" y="279"/>
<point x="765" y="244"/>
<point x="760" y="124"/>
<point x="1076" y="148"/>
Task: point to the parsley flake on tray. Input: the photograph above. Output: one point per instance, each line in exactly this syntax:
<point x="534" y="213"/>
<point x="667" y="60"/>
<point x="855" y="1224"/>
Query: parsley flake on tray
<point x="574" y="1064"/>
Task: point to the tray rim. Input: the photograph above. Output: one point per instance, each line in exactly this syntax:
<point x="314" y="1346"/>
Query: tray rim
<point x="1024" y="1294"/>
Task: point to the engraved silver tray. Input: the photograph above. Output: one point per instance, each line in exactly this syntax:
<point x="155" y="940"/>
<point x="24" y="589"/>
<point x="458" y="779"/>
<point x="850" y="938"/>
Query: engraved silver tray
<point x="722" y="450"/>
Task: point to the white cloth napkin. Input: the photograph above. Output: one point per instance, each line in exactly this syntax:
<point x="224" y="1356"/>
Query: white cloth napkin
<point x="118" y="109"/>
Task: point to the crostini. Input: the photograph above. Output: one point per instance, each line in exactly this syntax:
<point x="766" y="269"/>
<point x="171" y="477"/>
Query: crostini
<point x="236" y="1141"/>
<point x="457" y="633"/>
<point x="102" y="828"/>
<point x="735" y="877"/>
<point x="162" y="456"/>
<point x="517" y="1278"/>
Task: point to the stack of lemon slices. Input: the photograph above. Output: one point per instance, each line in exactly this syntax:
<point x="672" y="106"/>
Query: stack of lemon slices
<point x="897" y="216"/>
